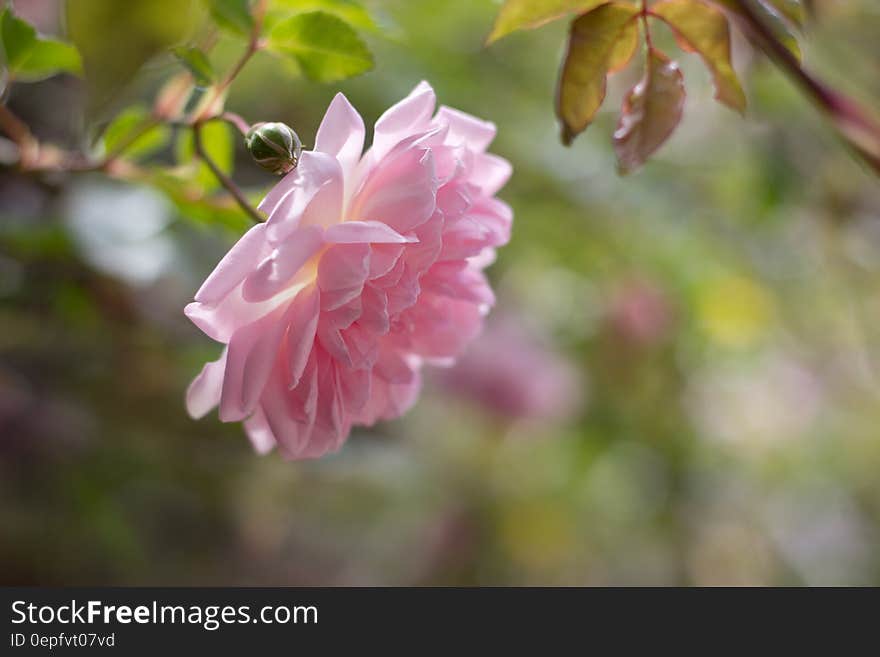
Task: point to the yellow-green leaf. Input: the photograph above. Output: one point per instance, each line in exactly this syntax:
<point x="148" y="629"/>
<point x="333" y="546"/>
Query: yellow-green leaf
<point x="651" y="112"/>
<point x="529" y="14"/>
<point x="701" y="28"/>
<point x="325" y="46"/>
<point x="599" y="41"/>
<point x="127" y="131"/>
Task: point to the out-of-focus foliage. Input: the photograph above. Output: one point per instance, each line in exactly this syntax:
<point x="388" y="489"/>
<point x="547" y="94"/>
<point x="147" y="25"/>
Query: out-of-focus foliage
<point x="709" y="327"/>
<point x="116" y="38"/>
<point x="30" y="57"/>
<point x="124" y="131"/>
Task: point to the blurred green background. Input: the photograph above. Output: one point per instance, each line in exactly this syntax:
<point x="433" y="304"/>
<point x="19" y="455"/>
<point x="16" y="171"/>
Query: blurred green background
<point x="680" y="383"/>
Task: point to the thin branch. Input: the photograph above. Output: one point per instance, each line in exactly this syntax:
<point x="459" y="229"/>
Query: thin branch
<point x="18" y="131"/>
<point x="224" y="180"/>
<point x="234" y="119"/>
<point x="643" y="14"/>
<point x="253" y="47"/>
<point x="853" y="123"/>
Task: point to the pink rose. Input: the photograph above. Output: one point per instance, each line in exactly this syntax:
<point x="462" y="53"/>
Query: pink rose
<point x="368" y="266"/>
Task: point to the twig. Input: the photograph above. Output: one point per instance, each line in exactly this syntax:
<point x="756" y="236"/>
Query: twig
<point x="643" y="14"/>
<point x="224" y="180"/>
<point x="852" y="121"/>
<point x="20" y="134"/>
<point x="234" y="119"/>
<point x="253" y="47"/>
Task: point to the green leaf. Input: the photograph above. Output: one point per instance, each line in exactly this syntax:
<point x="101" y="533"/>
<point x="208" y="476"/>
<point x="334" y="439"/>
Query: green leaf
<point x="219" y="146"/>
<point x="529" y="14"/>
<point x="350" y="11"/>
<point x="116" y="38"/>
<point x="196" y="63"/>
<point x="124" y="131"/>
<point x="325" y="47"/>
<point x="30" y="57"/>
<point x="771" y="18"/>
<point x="703" y="29"/>
<point x="600" y="41"/>
<point x="18" y="38"/>
<point x="651" y="112"/>
<point x="232" y="15"/>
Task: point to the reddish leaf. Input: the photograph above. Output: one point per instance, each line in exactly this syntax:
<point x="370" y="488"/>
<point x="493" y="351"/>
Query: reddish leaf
<point x="651" y="111"/>
<point x="601" y="41"/>
<point x="701" y="28"/>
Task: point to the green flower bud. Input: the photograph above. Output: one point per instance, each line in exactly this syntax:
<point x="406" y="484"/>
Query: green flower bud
<point x="274" y="146"/>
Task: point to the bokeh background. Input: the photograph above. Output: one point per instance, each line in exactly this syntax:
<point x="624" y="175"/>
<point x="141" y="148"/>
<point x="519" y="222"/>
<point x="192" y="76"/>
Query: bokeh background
<point x="680" y="383"/>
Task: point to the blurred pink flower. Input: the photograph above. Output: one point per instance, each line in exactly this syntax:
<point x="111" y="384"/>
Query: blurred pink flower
<point x="368" y="266"/>
<point x="513" y="374"/>
<point x="640" y="312"/>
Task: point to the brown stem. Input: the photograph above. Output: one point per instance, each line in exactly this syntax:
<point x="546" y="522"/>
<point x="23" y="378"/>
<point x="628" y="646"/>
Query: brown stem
<point x="224" y="180"/>
<point x="20" y="134"/>
<point x="253" y="47"/>
<point x="854" y="125"/>
<point x="236" y="120"/>
<point x="643" y="14"/>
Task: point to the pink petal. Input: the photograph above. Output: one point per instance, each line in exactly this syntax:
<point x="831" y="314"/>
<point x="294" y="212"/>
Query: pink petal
<point x="259" y="432"/>
<point x="330" y="338"/>
<point x="222" y="319"/>
<point x="235" y="265"/>
<point x="400" y="191"/>
<point x="250" y="357"/>
<point x="276" y="270"/>
<point x="490" y="172"/>
<point x="361" y="346"/>
<point x="450" y="279"/>
<point x="374" y="311"/>
<point x="441" y="326"/>
<point x="383" y="257"/>
<point x="301" y="333"/>
<point x="496" y="216"/>
<point x="421" y="256"/>
<point x="346" y="314"/>
<point x="311" y="194"/>
<point x="464" y="128"/>
<point x="329" y="408"/>
<point x="412" y="114"/>
<point x="290" y="414"/>
<point x="203" y="393"/>
<point x="341" y="133"/>
<point x="353" y="232"/>
<point x="393" y="367"/>
<point x="354" y="388"/>
<point x="465" y="238"/>
<point x="342" y="272"/>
